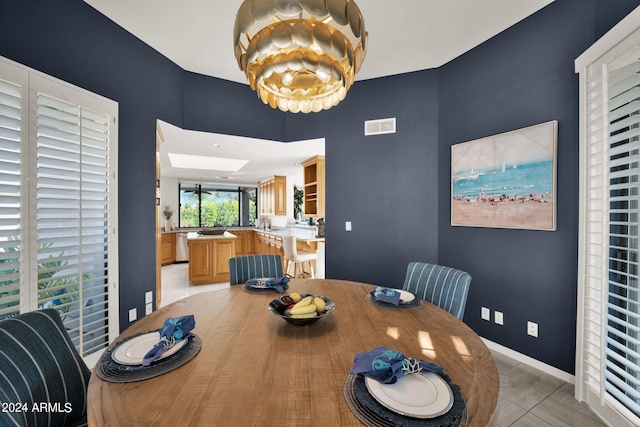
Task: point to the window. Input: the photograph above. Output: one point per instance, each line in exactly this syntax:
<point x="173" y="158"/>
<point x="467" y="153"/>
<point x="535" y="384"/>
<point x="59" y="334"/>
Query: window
<point x="607" y="347"/>
<point x="58" y="245"/>
<point x="210" y="205"/>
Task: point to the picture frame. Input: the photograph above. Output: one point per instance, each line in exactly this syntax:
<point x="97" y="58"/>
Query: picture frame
<point x="506" y="180"/>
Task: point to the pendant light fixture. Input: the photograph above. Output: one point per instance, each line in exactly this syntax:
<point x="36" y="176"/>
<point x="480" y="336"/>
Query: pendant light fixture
<point x="300" y="55"/>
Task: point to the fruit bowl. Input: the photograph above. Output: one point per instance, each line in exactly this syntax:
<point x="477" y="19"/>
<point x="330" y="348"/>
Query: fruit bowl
<point x="277" y="308"/>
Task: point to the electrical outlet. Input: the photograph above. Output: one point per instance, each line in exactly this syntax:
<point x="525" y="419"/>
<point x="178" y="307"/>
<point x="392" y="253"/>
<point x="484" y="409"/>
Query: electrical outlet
<point x="148" y="309"/>
<point x="499" y="318"/>
<point x="532" y="329"/>
<point x="485" y="314"/>
<point x="148" y="297"/>
<point x="133" y="314"/>
<point x="347" y="226"/>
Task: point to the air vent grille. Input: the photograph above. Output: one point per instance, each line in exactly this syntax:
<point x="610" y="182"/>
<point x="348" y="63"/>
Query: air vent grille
<point x="380" y="126"/>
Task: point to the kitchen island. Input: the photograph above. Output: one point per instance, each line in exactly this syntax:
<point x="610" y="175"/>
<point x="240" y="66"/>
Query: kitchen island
<point x="209" y="257"/>
<point x="270" y="242"/>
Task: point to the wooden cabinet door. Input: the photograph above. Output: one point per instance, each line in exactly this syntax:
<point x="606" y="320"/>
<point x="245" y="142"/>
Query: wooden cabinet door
<point x="223" y="250"/>
<point x="240" y="242"/>
<point x="168" y="249"/>
<point x="270" y="197"/>
<point x="280" y="195"/>
<point x="201" y="261"/>
<point x="248" y="242"/>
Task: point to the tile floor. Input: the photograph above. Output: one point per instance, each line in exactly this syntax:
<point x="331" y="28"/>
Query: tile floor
<point x="175" y="284"/>
<point x="529" y="397"/>
<point x="532" y="398"/>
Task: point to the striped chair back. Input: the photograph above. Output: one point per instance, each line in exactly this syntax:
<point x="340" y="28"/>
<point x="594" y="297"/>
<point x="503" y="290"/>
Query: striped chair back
<point x="40" y="366"/>
<point x="243" y="268"/>
<point x="443" y="286"/>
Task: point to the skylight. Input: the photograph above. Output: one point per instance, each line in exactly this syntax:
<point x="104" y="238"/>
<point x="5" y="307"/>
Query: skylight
<point x="188" y="161"/>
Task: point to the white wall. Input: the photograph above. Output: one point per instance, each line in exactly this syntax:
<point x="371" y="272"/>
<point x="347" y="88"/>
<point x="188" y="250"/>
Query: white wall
<point x="169" y="195"/>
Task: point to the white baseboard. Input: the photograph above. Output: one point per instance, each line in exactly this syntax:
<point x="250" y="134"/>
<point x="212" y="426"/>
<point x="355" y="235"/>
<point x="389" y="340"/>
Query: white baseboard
<point x="534" y="363"/>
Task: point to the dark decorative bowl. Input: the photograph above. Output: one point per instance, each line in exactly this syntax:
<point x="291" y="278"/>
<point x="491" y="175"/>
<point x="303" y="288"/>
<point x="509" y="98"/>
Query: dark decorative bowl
<point x="330" y="306"/>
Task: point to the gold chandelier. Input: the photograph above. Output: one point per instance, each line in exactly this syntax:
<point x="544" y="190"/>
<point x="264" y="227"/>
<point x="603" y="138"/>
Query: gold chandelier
<point x="300" y="55"/>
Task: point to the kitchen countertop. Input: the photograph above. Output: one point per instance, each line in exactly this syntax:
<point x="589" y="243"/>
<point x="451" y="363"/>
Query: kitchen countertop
<point x="193" y="235"/>
<point x="192" y="230"/>
<point x="271" y="232"/>
<point x="282" y="232"/>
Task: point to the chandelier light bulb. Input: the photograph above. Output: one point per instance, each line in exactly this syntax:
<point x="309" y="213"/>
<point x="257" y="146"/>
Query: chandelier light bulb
<point x="300" y="55"/>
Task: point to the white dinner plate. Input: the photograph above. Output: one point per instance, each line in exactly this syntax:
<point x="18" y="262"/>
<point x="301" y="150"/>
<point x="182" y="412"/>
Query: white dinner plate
<point x="262" y="283"/>
<point x="405" y="297"/>
<point x="132" y="352"/>
<point x="423" y="395"/>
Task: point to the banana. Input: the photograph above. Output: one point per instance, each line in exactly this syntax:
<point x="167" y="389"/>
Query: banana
<point x="305" y="309"/>
<point x="304" y="301"/>
<point x="321" y="306"/>
<point x="304" y="316"/>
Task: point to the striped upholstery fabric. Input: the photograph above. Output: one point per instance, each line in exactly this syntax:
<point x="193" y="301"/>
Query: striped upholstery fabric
<point x="40" y="369"/>
<point x="247" y="267"/>
<point x="445" y="287"/>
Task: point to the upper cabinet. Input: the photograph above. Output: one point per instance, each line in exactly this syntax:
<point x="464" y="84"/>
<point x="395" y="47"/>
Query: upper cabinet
<point x="273" y="196"/>
<point x="314" y="194"/>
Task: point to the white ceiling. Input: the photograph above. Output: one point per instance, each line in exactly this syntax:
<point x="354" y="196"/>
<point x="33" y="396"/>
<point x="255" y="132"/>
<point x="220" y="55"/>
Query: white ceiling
<point x="404" y="36"/>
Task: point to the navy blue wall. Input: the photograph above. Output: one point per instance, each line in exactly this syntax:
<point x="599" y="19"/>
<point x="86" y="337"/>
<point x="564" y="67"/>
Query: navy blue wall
<point x="221" y="106"/>
<point x="386" y="185"/>
<point x="520" y="78"/>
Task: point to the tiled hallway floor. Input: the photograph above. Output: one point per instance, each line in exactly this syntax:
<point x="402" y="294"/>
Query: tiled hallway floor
<point x="528" y="398"/>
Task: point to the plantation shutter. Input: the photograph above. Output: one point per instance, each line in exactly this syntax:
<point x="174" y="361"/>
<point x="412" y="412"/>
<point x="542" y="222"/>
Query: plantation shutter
<point x="72" y="217"/>
<point x="58" y="205"/>
<point x="607" y="351"/>
<point x="593" y="233"/>
<point x="622" y="345"/>
<point x="11" y="126"/>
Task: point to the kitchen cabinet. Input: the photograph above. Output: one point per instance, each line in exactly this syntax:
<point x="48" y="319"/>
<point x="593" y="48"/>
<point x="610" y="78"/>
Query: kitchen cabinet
<point x="265" y="243"/>
<point x="244" y="242"/>
<point x="168" y="248"/>
<point x="273" y="196"/>
<point x="314" y="186"/>
<point x="209" y="258"/>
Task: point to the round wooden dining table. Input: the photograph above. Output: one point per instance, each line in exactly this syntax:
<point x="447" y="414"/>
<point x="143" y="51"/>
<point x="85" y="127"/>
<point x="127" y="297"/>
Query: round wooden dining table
<point x="255" y="369"/>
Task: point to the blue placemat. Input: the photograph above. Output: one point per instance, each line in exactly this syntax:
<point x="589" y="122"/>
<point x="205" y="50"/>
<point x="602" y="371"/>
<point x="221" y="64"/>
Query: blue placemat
<point x="112" y="371"/>
<point x="373" y="414"/>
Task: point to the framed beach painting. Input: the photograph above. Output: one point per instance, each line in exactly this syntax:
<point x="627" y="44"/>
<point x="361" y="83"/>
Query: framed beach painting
<point x="506" y="180"/>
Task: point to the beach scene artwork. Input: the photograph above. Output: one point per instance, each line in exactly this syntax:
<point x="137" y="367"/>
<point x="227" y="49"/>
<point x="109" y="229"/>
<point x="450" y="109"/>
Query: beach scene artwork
<point x="506" y="180"/>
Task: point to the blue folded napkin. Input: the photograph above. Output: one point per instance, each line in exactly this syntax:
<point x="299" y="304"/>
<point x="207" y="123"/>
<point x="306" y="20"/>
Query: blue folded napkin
<point x="173" y="330"/>
<point x="387" y="366"/>
<point x="277" y="283"/>
<point x="387" y="295"/>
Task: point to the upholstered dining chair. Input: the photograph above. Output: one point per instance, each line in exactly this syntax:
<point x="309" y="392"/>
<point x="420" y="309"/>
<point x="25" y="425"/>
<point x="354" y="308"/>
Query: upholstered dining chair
<point x="243" y="268"/>
<point x="443" y="286"/>
<point x="291" y="254"/>
<point x="41" y="372"/>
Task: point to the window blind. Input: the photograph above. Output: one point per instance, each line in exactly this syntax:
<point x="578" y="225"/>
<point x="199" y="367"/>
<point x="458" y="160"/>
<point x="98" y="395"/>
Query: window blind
<point x="622" y="328"/>
<point x="58" y="205"/>
<point x="607" y="350"/>
<point x="72" y="217"/>
<point x="594" y="232"/>
<point x="10" y="168"/>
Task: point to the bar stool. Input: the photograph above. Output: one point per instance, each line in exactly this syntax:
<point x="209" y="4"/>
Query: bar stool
<point x="291" y="254"/>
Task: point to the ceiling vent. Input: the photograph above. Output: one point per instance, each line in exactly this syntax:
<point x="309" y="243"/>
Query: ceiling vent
<point x="380" y="126"/>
